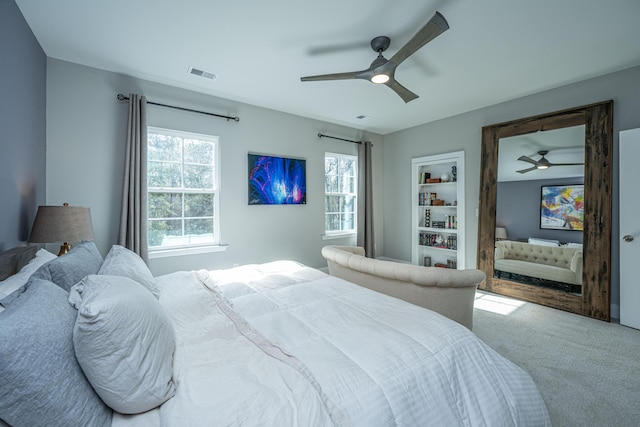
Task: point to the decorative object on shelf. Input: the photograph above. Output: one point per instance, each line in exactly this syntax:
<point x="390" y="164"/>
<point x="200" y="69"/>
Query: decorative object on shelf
<point x="62" y="224"/>
<point x="433" y="181"/>
<point x="437" y="202"/>
<point x="454" y="173"/>
<point x="424" y="176"/>
<point x="501" y="233"/>
<point x="437" y="241"/>
<point x="445" y="177"/>
<point x="427" y="261"/>
<point x="427" y="218"/>
<point x="424" y="199"/>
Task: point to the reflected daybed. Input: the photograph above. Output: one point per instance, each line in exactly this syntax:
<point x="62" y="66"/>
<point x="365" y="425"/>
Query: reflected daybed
<point x="548" y="262"/>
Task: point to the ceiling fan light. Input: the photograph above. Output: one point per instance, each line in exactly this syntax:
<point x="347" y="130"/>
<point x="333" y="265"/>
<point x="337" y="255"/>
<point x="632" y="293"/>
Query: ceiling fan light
<point x="542" y="167"/>
<point x="380" y="78"/>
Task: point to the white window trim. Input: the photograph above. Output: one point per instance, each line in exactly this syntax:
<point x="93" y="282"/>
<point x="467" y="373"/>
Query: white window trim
<point x="338" y="234"/>
<point x="191" y="250"/>
<point x="215" y="246"/>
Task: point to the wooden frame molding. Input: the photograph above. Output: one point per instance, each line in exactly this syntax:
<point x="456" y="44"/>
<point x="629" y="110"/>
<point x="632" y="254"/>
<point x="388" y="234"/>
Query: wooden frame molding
<point x="594" y="301"/>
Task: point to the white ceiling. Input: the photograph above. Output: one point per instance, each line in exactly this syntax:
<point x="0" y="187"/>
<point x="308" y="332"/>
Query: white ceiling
<point x="494" y="51"/>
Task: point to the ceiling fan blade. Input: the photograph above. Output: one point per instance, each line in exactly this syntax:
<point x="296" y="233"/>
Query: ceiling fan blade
<point x="565" y="164"/>
<point x="402" y="91"/>
<point x="527" y="170"/>
<point x="432" y="29"/>
<point x="527" y="159"/>
<point x="336" y="76"/>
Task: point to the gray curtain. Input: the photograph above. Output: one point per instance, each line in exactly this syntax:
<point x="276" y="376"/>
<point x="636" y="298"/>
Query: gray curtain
<point x="365" y="200"/>
<point x="133" y="216"/>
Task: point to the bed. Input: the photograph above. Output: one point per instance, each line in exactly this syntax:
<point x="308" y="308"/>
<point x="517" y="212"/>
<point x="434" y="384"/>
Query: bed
<point x="271" y="344"/>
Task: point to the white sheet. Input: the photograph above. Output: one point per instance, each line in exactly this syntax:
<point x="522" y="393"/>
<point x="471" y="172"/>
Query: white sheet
<point x="282" y="344"/>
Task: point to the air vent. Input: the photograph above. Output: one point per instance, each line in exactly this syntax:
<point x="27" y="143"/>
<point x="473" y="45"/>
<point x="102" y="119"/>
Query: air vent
<point x="361" y="117"/>
<point x="202" y="73"/>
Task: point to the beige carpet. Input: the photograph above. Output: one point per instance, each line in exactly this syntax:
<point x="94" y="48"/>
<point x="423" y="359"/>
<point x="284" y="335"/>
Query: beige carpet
<point x="588" y="371"/>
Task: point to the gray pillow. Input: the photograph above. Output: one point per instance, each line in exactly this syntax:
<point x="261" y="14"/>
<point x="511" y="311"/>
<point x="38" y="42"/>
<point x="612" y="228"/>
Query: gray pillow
<point x="41" y="383"/>
<point x="124" y="342"/>
<point x="67" y="270"/>
<point x="121" y="261"/>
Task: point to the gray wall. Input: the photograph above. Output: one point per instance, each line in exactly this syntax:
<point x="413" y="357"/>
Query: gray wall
<point x="518" y="209"/>
<point x="463" y="132"/>
<point x="85" y="140"/>
<point x="22" y="126"/>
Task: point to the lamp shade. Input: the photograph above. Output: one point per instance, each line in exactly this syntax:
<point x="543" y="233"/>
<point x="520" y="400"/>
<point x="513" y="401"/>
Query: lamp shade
<point x="501" y="233"/>
<point x="61" y="224"/>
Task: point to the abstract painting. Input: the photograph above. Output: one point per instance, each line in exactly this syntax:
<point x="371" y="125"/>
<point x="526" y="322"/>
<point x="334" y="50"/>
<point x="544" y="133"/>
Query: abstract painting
<point x="562" y="207"/>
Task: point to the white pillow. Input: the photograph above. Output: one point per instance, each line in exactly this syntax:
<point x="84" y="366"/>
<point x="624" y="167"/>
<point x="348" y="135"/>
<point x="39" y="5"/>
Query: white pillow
<point x="543" y="242"/>
<point x="13" y="283"/>
<point x="124" y="343"/>
<point x="574" y="245"/>
<point x="121" y="261"/>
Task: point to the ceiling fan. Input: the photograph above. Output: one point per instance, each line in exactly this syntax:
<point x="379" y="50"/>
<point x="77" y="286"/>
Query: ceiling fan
<point x="543" y="163"/>
<point x="382" y="70"/>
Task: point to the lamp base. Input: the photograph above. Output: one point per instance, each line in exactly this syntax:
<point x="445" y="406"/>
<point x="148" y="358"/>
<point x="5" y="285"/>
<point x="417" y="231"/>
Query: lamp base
<point x="64" y="248"/>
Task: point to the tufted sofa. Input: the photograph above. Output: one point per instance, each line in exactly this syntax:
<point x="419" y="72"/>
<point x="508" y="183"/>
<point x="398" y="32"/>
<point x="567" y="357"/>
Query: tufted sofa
<point x="557" y="263"/>
<point x="445" y="291"/>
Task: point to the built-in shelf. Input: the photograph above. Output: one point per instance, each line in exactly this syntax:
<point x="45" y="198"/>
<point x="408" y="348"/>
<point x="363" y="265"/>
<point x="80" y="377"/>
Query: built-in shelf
<point x="438" y="202"/>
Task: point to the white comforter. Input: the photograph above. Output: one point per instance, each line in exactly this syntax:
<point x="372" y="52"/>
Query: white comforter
<point x="280" y="344"/>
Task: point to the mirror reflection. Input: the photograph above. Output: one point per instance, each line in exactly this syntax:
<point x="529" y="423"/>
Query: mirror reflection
<point x="540" y="209"/>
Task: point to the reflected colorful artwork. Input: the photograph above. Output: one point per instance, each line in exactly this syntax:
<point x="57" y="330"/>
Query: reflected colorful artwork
<point x="276" y="180"/>
<point x="562" y="207"/>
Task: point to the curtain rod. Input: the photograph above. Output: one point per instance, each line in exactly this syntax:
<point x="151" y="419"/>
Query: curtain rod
<point x="321" y="135"/>
<point x="121" y="97"/>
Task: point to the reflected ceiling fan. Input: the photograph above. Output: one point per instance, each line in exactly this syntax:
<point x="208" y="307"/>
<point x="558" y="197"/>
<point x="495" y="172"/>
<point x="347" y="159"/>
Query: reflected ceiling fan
<point x="543" y="163"/>
<point x="382" y="70"/>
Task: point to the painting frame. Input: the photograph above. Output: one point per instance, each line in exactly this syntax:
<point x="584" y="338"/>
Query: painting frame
<point x="562" y="207"/>
<point x="276" y="180"/>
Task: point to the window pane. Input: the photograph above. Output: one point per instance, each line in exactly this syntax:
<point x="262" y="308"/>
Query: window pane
<point x="164" y="147"/>
<point x="199" y="177"/>
<point x="346" y="184"/>
<point x="332" y="204"/>
<point x="331" y="184"/>
<point x="330" y="166"/>
<point x="164" y="232"/>
<point x="199" y="152"/>
<point x="198" y="205"/>
<point x="347" y="167"/>
<point x="164" y="175"/>
<point x="333" y="222"/>
<point x="165" y="205"/>
<point x="349" y="204"/>
<point x="198" y="227"/>
<point x="348" y="222"/>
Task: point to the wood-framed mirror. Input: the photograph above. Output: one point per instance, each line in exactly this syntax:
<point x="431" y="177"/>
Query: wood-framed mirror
<point x="593" y="297"/>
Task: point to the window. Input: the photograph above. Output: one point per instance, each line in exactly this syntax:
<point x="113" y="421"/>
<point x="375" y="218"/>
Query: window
<point x="183" y="189"/>
<point x="340" y="193"/>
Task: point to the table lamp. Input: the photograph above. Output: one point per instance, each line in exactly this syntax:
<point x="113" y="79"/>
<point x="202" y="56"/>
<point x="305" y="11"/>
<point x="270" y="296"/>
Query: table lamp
<point x="501" y="233"/>
<point x="61" y="224"/>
